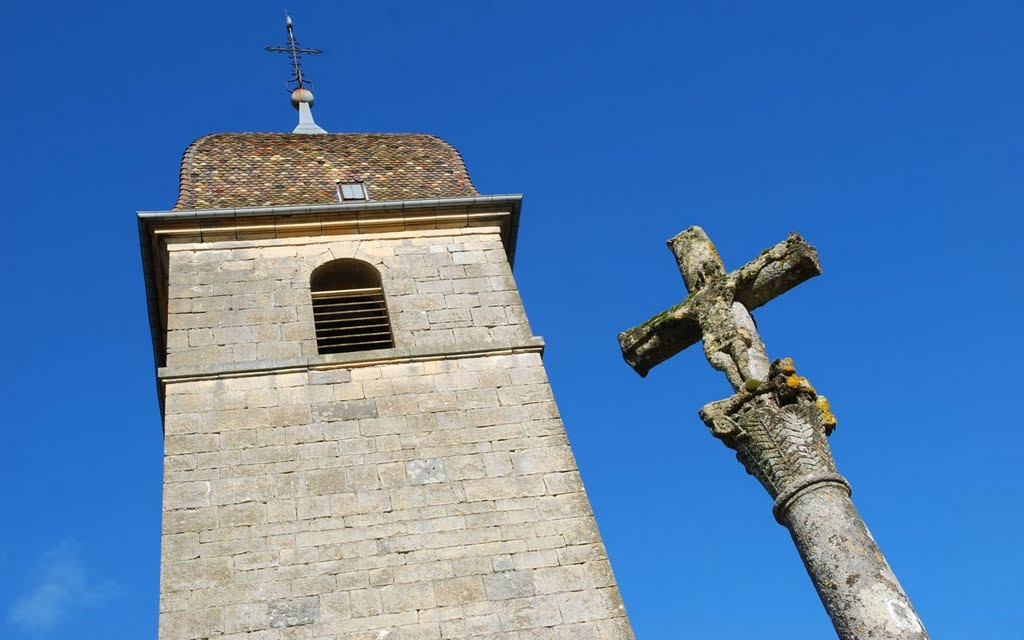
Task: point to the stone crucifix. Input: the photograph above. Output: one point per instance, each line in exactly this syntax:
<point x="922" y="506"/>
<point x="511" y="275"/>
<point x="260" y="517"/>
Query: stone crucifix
<point x="777" y="424"/>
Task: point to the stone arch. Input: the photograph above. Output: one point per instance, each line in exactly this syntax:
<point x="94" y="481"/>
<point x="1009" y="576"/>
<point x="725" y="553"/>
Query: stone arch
<point x="349" y="309"/>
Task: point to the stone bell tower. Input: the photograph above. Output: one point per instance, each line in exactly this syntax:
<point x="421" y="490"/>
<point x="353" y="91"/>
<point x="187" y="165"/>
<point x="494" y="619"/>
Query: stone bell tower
<point x="360" y="438"/>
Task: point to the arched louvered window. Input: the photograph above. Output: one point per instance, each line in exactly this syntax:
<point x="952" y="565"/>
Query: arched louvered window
<point x="348" y="307"/>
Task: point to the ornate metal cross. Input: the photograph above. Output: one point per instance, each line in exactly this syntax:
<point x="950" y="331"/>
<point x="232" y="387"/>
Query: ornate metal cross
<point x="777" y="424"/>
<point x="297" y="81"/>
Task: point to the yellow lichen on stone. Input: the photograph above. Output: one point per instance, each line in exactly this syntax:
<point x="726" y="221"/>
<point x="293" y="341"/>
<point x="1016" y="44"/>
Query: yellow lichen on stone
<point x="714" y="251"/>
<point x="799" y="383"/>
<point x="787" y="367"/>
<point x="827" y="417"/>
<point x="806" y="385"/>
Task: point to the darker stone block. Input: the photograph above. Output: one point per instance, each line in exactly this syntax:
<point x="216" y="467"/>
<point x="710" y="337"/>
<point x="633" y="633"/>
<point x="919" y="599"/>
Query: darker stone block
<point x="348" y="410"/>
<point x="293" y="613"/>
<point x="508" y="585"/>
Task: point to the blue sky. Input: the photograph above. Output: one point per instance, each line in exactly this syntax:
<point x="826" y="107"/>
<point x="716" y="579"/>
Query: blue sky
<point x="890" y="135"/>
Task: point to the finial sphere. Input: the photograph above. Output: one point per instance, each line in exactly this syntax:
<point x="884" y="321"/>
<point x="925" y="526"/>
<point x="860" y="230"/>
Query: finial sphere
<point x="287" y="20"/>
<point x="302" y="95"/>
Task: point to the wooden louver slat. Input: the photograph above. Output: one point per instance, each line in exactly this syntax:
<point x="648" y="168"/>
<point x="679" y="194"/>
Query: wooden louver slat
<point x="351" y="320"/>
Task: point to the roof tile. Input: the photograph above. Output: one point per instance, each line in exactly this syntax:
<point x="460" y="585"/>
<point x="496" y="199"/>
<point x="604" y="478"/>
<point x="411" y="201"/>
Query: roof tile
<point x="230" y="170"/>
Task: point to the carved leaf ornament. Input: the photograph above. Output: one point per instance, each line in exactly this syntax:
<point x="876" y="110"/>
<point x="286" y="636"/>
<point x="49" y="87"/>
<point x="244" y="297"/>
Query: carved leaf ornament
<point x="779" y="446"/>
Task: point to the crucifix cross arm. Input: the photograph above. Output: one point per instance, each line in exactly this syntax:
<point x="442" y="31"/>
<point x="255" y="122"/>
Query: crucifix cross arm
<point x="771" y="274"/>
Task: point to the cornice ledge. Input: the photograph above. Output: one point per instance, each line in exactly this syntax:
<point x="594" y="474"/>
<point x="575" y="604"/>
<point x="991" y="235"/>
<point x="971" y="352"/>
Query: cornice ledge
<point x="336" y="207"/>
<point x="427" y="353"/>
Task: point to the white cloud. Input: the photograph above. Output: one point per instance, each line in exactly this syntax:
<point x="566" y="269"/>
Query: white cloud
<point x="60" y="586"/>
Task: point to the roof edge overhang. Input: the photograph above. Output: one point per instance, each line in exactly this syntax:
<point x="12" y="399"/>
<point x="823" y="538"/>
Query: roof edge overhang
<point x="157" y="228"/>
<point x="353" y="217"/>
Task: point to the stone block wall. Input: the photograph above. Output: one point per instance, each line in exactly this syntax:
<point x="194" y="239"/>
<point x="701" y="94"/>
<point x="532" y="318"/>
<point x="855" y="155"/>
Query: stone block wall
<point x="422" y="492"/>
<point x="426" y="500"/>
<point x="248" y="301"/>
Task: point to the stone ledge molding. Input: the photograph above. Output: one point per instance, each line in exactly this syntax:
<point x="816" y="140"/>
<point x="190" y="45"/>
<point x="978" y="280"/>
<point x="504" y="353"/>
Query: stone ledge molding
<point x="352" y="360"/>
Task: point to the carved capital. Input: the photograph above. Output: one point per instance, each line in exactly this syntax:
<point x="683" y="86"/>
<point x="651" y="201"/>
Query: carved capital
<point x="778" y="428"/>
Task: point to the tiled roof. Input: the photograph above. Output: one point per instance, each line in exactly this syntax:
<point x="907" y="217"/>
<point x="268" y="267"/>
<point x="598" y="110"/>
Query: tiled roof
<point x="231" y="170"/>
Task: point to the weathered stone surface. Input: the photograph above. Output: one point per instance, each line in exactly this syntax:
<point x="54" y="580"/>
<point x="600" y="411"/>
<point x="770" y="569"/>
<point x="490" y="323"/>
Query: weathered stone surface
<point x="849" y="572"/>
<point x="774" y="272"/>
<point x="250" y="300"/>
<point x="777" y="424"/>
<point x="778" y="430"/>
<point x="433" y="499"/>
<point x="430" y="471"/>
<point x="293" y="613"/>
<point x="509" y="584"/>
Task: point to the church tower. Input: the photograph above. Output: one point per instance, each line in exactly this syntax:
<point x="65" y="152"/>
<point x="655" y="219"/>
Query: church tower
<point x="360" y="438"/>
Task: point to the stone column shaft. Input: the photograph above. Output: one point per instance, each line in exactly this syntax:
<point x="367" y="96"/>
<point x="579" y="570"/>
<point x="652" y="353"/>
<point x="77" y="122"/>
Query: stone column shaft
<point x="853" y="580"/>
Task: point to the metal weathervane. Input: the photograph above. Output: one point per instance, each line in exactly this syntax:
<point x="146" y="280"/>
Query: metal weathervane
<point x="297" y="81"/>
<point x="299" y="86"/>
